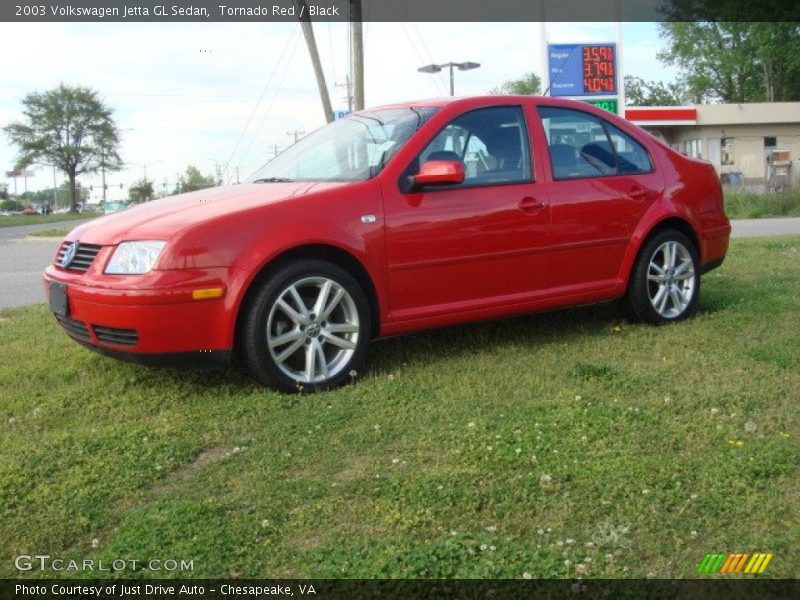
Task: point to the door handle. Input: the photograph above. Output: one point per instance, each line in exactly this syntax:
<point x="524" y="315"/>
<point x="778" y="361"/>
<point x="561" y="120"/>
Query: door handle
<point x="638" y="193"/>
<point x="529" y="204"/>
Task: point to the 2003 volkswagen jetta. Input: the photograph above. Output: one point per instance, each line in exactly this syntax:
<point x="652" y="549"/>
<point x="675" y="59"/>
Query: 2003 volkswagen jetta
<point x="392" y="220"/>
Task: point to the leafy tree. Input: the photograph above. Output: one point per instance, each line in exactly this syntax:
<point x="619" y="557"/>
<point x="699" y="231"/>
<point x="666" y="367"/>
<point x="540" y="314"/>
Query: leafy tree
<point x="639" y="92"/>
<point x="3" y="191"/>
<point x="141" y="191"/>
<point x="735" y="61"/>
<point x="527" y="85"/>
<point x="8" y="205"/>
<point x="69" y="128"/>
<point x="194" y="180"/>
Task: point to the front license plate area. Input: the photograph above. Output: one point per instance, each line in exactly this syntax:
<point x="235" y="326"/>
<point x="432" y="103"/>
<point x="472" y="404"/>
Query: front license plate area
<point x="58" y="299"/>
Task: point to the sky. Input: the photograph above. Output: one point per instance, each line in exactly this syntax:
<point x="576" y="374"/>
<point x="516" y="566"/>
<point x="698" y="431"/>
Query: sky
<point x="223" y="96"/>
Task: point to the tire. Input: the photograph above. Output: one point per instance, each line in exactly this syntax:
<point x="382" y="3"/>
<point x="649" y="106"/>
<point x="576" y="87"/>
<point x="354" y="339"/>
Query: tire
<point x="665" y="280"/>
<point x="306" y="328"/>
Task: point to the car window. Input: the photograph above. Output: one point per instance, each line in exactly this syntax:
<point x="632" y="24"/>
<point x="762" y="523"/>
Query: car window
<point x="582" y="145"/>
<point x="632" y="156"/>
<point x="354" y="148"/>
<point x="491" y="142"/>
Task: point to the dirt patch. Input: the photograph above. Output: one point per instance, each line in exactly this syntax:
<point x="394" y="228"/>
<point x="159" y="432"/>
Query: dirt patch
<point x="186" y="471"/>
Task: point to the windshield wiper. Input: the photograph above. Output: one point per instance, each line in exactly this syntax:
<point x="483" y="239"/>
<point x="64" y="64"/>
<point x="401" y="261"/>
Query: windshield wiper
<point x="273" y="180"/>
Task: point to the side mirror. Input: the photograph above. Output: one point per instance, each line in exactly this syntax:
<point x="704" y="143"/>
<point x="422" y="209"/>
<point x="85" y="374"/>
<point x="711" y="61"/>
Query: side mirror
<point x="440" y="172"/>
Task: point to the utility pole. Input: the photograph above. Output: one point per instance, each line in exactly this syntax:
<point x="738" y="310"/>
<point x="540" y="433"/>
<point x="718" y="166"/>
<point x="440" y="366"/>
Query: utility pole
<point x="55" y="192"/>
<point x="103" y="174"/>
<point x="357" y="44"/>
<point x="347" y="85"/>
<point x="308" y="33"/>
<point x="297" y="134"/>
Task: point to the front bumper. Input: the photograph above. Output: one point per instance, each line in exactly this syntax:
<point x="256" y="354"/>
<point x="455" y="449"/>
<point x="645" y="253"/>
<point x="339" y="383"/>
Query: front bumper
<point x="151" y="318"/>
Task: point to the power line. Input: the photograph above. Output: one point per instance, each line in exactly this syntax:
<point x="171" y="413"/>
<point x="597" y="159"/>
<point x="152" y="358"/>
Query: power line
<point x="258" y="103"/>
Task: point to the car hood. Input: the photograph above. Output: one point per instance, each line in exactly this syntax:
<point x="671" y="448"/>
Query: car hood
<point x="161" y="219"/>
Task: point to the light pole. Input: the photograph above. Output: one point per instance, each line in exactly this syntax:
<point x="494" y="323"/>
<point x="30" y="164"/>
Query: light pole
<point x="465" y="66"/>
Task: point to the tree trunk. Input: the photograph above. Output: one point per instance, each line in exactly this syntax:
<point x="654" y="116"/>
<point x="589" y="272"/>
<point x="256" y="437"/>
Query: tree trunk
<point x="73" y="193"/>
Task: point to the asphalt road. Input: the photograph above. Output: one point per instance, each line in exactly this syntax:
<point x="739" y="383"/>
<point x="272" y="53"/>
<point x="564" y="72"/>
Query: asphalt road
<point x="22" y="258"/>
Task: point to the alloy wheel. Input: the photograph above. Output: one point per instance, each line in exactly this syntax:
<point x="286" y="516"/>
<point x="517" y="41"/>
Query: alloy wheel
<point x="671" y="279"/>
<point x="313" y="330"/>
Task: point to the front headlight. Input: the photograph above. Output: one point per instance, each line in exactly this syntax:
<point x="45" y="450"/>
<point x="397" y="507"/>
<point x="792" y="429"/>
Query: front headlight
<point x="134" y="258"/>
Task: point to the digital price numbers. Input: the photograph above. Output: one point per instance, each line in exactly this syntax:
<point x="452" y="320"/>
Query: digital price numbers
<point x="599" y="75"/>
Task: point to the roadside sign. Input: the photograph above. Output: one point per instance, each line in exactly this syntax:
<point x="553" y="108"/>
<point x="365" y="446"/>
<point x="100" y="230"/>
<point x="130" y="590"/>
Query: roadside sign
<point x="578" y="70"/>
<point x="340" y="114"/>
<point x="609" y="104"/>
<point x="21" y="173"/>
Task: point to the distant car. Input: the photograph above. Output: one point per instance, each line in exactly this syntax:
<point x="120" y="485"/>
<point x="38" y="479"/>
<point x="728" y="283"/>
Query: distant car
<point x="393" y="220"/>
<point x="29" y="211"/>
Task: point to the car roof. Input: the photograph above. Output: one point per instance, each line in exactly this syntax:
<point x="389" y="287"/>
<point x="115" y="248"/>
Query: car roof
<point x="479" y="100"/>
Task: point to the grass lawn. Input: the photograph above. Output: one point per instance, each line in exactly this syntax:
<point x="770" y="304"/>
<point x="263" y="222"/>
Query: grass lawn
<point x="55" y="232"/>
<point x="35" y="219"/>
<point x="755" y="206"/>
<point x="558" y="444"/>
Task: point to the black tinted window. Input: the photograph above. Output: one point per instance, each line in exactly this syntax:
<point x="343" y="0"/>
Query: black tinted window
<point x="491" y="142"/>
<point x="582" y="145"/>
<point x="632" y="156"/>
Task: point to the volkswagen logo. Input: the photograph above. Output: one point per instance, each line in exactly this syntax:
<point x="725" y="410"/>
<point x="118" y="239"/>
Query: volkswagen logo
<point x="69" y="255"/>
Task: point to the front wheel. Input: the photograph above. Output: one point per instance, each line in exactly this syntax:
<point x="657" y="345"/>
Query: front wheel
<point x="665" y="281"/>
<point x="306" y="328"/>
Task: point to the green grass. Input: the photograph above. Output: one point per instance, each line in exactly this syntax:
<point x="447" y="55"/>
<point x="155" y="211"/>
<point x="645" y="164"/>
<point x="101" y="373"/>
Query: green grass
<point x="755" y="206"/>
<point x="56" y="232"/>
<point x="490" y="450"/>
<point x="35" y="219"/>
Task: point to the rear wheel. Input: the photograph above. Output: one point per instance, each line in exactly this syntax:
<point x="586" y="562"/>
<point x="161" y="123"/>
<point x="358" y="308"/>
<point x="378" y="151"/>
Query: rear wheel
<point x="307" y="328"/>
<point x="665" y="281"/>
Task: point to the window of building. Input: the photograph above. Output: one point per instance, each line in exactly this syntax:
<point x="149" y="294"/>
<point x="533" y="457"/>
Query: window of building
<point x="693" y="148"/>
<point x="770" y="141"/>
<point x="727" y="151"/>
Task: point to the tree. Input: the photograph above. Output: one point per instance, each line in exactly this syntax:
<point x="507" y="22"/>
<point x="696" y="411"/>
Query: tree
<point x="735" y="61"/>
<point x="194" y="180"/>
<point x="69" y="128"/>
<point x="527" y="85"/>
<point x="639" y="92"/>
<point x="3" y="191"/>
<point x="141" y="191"/>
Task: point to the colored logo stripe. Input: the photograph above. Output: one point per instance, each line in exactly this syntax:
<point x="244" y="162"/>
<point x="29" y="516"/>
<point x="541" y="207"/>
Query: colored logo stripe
<point x="722" y="562"/>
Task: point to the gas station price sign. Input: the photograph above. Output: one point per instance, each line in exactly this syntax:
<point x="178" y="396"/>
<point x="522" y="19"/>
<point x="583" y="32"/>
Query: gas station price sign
<point x="579" y="70"/>
<point x="599" y="70"/>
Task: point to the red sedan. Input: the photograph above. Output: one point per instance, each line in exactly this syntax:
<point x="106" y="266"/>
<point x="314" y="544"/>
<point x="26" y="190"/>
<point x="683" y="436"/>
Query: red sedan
<point x="393" y="220"/>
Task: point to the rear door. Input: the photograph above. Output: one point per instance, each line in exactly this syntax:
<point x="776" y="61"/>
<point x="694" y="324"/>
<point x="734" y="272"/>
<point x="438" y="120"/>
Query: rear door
<point x="603" y="181"/>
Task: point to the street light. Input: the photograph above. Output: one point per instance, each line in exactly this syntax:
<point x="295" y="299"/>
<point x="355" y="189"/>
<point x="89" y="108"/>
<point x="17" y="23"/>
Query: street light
<point x="465" y="66"/>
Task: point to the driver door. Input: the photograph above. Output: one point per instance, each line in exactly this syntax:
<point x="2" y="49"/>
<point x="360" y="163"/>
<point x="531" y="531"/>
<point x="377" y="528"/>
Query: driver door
<point x="480" y="243"/>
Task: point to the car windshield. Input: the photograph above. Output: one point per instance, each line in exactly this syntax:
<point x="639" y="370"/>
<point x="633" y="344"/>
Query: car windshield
<point x="354" y="148"/>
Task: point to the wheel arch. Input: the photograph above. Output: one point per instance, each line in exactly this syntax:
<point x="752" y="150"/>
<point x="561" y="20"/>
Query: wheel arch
<point x="675" y="222"/>
<point x="320" y="251"/>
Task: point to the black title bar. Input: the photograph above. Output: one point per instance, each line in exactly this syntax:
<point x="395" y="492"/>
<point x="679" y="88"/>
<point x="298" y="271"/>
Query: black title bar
<point x="155" y="11"/>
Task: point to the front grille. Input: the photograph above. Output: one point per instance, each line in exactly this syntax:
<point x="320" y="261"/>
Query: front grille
<point x="84" y="256"/>
<point x="118" y="337"/>
<point x="76" y="329"/>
